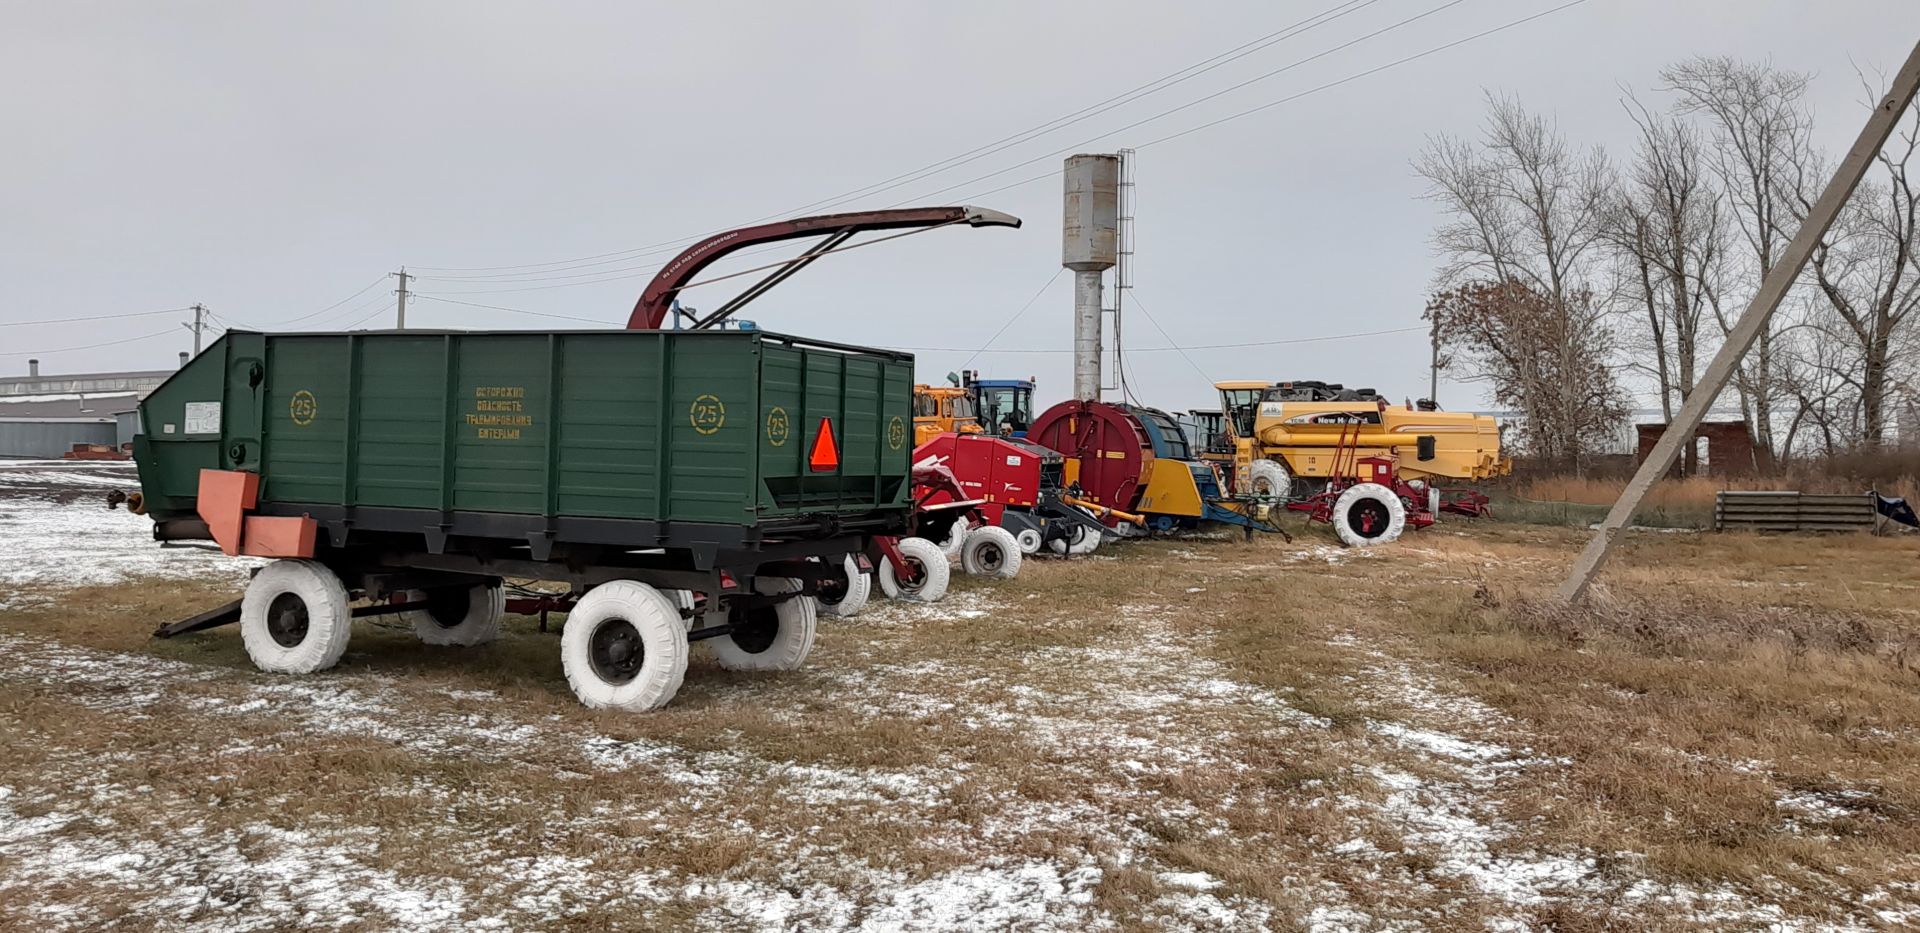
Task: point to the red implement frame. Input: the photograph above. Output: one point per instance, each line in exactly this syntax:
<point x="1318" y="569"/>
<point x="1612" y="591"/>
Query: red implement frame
<point x="651" y="311"/>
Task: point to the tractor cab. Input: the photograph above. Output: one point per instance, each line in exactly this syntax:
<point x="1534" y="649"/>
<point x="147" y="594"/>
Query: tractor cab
<point x="1005" y="405"/>
<point x="1209" y="428"/>
<point x="941" y="410"/>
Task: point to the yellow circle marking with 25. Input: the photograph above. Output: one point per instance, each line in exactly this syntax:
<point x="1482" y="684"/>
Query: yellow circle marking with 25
<point x="303" y="407"/>
<point x="707" y="414"/>
<point x="778" y="426"/>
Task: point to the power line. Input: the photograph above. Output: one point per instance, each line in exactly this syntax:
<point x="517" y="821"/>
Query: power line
<point x="91" y="346"/>
<point x="613" y="275"/>
<point x="1371" y="71"/>
<point x="295" y="320"/>
<point x="1016" y="316"/>
<point x="1422" y="328"/>
<point x="389" y="306"/>
<point x="470" y="304"/>
<point x="1163" y="332"/>
<point x="96" y="317"/>
<point x="720" y="278"/>
<point x="1137" y="93"/>
<point x="1058" y="123"/>
<point x="619" y="275"/>
<point x="1198" y="101"/>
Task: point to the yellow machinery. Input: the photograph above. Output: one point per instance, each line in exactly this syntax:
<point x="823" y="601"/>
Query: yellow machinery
<point x="941" y="410"/>
<point x="1276" y="432"/>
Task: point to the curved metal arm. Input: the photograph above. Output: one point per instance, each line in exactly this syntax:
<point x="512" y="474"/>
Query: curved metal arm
<point x="657" y="301"/>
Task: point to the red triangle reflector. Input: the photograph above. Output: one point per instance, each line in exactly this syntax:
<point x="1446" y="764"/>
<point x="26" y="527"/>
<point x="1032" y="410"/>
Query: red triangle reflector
<point x="825" y="457"/>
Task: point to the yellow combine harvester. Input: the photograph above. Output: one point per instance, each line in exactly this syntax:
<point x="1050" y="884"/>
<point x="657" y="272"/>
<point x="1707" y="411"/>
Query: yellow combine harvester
<point x="1281" y="437"/>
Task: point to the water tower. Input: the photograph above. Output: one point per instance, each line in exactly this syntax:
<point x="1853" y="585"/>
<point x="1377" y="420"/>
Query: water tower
<point x="1089" y="248"/>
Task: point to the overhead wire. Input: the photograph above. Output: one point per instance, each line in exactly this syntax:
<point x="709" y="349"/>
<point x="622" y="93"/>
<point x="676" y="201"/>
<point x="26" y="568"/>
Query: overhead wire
<point x="1016" y="316"/>
<point x="95" y="317"/>
<point x="473" y="304"/>
<point x="309" y="316"/>
<point x="731" y="275"/>
<point x="1371" y="71"/>
<point x="1197" y="101"/>
<point x="389" y="307"/>
<point x="1242" y="345"/>
<point x="610" y="275"/>
<point x="1137" y="93"/>
<point x="90" y="346"/>
<point x="1051" y="173"/>
<point x="1151" y="87"/>
<point x="1137" y="303"/>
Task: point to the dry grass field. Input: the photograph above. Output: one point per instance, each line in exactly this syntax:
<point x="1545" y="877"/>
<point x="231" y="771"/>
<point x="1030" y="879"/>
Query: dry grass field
<point x="1187" y="734"/>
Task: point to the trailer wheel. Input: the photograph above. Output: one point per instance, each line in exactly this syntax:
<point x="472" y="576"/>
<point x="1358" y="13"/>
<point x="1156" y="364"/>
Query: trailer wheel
<point x="1269" y="479"/>
<point x="768" y="638"/>
<point x="991" y="552"/>
<point x="1029" y="540"/>
<point x="294" y="618"/>
<point x="1080" y="541"/>
<point x="684" y="601"/>
<point x="846" y="592"/>
<point x="1367" y="514"/>
<point x="956" y="540"/>
<point x="933" y="572"/>
<point x="463" y="616"/>
<point x="624" y="647"/>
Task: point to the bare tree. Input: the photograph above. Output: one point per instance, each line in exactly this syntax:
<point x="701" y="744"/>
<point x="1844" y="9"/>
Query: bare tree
<point x="1667" y="230"/>
<point x="1762" y="153"/>
<point x="1868" y="269"/>
<point x="1550" y="358"/>
<point x="1818" y="371"/>
<point x="1520" y="203"/>
<point x="1525" y="218"/>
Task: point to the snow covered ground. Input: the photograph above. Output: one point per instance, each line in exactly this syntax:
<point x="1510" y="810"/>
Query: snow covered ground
<point x="56" y="531"/>
<point x="931" y="770"/>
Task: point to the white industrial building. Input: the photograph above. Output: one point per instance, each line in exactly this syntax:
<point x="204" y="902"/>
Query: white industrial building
<point x="43" y="416"/>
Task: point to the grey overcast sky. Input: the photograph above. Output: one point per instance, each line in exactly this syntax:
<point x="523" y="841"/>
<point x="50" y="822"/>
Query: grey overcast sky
<point x="268" y="159"/>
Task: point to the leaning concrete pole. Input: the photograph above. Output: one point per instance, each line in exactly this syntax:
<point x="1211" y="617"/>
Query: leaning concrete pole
<point x="1772" y="290"/>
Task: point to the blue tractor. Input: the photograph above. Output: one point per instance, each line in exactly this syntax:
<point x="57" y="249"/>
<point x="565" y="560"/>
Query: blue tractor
<point x="1005" y="405"/>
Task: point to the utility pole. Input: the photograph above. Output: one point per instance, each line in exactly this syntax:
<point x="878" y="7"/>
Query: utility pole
<point x="400" y="318"/>
<point x="1772" y="290"/>
<point x="1433" y="366"/>
<point x="199" y="324"/>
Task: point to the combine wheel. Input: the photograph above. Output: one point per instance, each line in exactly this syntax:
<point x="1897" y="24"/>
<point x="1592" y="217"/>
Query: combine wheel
<point x="844" y="593"/>
<point x="932" y="564"/>
<point x="1029" y="540"/>
<point x="768" y="638"/>
<point x="991" y="552"/>
<point x="1368" y="514"/>
<point x="1269" y="479"/>
<point x="624" y="647"/>
<point x="294" y="618"/>
<point x="458" y="616"/>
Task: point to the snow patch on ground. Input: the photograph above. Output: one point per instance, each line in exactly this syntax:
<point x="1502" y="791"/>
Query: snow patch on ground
<point x="45" y="542"/>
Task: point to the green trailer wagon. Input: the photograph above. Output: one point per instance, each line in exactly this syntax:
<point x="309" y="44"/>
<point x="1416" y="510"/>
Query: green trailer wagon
<point x="687" y="485"/>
